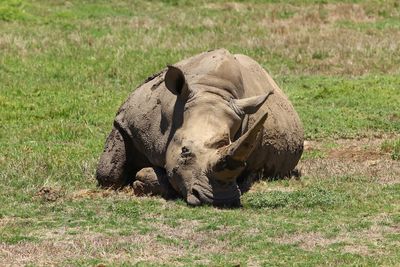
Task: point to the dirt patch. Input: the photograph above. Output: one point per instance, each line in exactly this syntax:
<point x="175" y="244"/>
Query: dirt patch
<point x="381" y="171"/>
<point x="352" y="157"/>
<point x="354" y="153"/>
<point x="101" y="193"/>
<point x="50" y="194"/>
<point x="265" y="186"/>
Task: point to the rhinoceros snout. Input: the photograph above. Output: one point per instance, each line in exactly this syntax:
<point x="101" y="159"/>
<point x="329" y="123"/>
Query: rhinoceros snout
<point x="197" y="197"/>
<point x="200" y="196"/>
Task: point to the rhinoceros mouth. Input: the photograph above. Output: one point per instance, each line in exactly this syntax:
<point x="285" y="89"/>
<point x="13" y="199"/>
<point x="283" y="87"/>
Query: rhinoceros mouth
<point x="201" y="195"/>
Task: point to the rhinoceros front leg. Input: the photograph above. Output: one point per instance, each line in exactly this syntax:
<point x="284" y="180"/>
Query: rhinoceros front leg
<point x="153" y="181"/>
<point x="115" y="168"/>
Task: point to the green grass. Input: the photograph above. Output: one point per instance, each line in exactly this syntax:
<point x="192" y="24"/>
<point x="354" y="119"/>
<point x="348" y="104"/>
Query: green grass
<point x="66" y="67"/>
<point x="393" y="147"/>
<point x="310" y="198"/>
<point x="12" y="10"/>
<point x="345" y="107"/>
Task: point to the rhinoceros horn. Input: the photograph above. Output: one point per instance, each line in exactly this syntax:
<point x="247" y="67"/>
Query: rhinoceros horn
<point x="241" y="148"/>
<point x="232" y="157"/>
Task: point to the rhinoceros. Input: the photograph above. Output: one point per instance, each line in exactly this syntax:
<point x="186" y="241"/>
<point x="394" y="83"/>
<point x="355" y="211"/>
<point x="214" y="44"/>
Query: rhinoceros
<point x="202" y="129"/>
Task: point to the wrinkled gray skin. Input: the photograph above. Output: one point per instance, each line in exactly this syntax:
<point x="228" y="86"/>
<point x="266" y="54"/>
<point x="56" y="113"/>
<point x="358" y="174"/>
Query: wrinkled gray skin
<point x="203" y="129"/>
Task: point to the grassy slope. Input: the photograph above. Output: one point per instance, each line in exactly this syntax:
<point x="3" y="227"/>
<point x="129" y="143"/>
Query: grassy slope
<point x="65" y="67"/>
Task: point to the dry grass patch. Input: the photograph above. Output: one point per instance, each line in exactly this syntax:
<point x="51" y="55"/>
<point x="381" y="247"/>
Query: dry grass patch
<point x="306" y="241"/>
<point x="6" y="221"/>
<point x="312" y="38"/>
<point x="347" y="11"/>
<point x="309" y="39"/>
<point x="228" y="6"/>
<point x="61" y="248"/>
<point x="368" y="242"/>
<point x="164" y="245"/>
<point x="187" y="235"/>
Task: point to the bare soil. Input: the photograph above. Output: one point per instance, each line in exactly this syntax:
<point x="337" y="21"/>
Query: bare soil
<point x="352" y="157"/>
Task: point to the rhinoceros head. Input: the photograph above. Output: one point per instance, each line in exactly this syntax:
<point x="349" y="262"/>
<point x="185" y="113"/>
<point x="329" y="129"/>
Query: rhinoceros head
<point x="206" y="154"/>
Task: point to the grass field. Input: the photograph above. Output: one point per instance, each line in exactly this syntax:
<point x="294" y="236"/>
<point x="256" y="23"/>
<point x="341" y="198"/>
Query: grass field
<point x="66" y="66"/>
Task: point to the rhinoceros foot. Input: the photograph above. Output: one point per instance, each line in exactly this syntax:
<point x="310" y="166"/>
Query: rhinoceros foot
<point x="154" y="182"/>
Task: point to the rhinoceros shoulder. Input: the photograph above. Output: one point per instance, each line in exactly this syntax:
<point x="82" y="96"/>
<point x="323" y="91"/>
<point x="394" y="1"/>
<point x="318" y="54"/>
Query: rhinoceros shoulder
<point x="256" y="79"/>
<point x="147" y="117"/>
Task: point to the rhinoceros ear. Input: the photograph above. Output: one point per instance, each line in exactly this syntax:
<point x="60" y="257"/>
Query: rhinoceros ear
<point x="249" y="105"/>
<point x="175" y="80"/>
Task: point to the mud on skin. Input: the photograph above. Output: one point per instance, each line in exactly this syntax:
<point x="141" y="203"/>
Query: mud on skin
<point x="198" y="127"/>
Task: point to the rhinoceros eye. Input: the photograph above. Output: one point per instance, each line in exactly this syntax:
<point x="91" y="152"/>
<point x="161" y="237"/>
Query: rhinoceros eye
<point x="185" y="152"/>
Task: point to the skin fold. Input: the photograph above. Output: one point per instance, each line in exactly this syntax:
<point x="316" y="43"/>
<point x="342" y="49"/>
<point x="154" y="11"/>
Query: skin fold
<point x="203" y="129"/>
